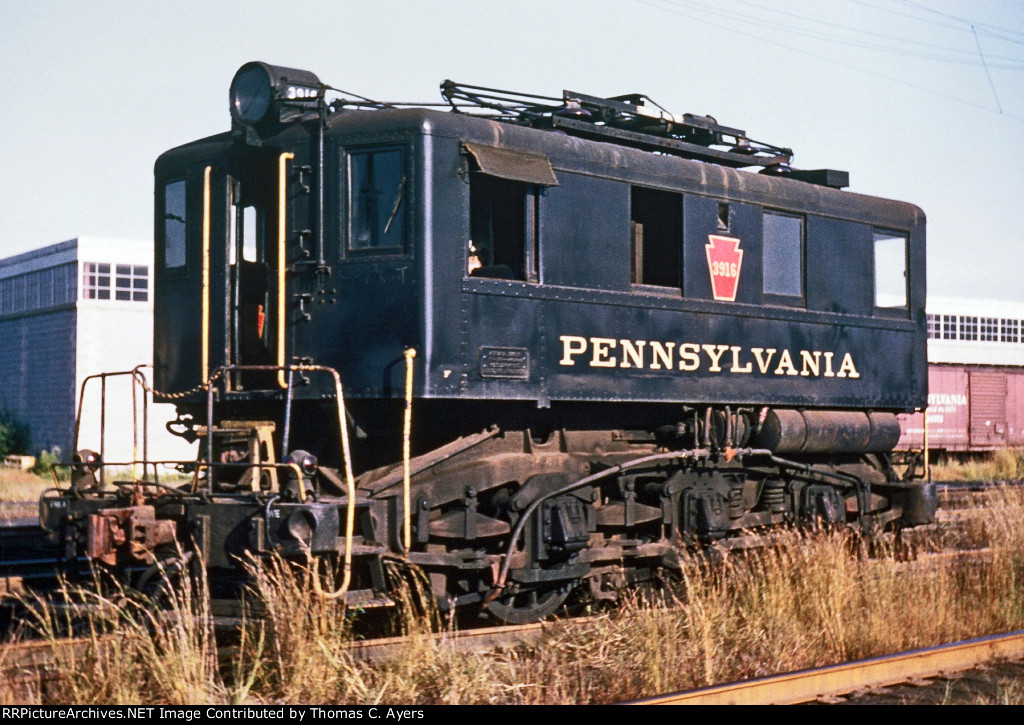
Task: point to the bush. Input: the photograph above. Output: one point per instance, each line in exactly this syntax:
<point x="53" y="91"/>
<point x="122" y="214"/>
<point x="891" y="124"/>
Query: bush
<point x="44" y="462"/>
<point x="14" y="437"/>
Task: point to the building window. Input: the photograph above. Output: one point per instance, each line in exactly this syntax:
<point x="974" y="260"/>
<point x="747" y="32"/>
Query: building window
<point x="934" y="327"/>
<point x="95" y="281"/>
<point x="1009" y="330"/>
<point x="657" y="224"/>
<point x="949" y="327"/>
<point x="989" y="329"/>
<point x="782" y="257"/>
<point x="890" y="271"/>
<point x="132" y="282"/>
<point x="377" y="192"/>
<point x="968" y="328"/>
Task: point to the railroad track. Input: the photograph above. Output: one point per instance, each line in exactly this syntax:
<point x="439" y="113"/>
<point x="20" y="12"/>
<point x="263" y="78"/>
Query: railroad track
<point x="25" y="556"/>
<point x="29" y="660"/>
<point x="965" y="494"/>
<point x="826" y="684"/>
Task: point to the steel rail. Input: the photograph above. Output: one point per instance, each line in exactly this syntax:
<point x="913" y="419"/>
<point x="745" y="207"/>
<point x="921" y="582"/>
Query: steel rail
<point x="834" y="680"/>
<point x="471" y="640"/>
<point x="38" y="658"/>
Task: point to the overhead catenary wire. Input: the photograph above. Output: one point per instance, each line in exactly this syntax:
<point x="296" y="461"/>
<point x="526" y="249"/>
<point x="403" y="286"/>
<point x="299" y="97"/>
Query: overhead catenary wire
<point x="1015" y="62"/>
<point x="900" y="46"/>
<point x="988" y="29"/>
<point x="827" y="58"/>
<point x="987" y="74"/>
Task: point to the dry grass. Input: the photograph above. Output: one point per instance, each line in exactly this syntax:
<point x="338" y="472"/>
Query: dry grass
<point x="20" y="490"/>
<point x="137" y="653"/>
<point x="18" y="485"/>
<point x="812" y="600"/>
<point x="1005" y="464"/>
<point x="19" y="494"/>
<point x="1009" y="691"/>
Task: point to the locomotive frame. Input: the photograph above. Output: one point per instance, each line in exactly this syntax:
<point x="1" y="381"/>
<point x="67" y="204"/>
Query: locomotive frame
<point x="616" y="343"/>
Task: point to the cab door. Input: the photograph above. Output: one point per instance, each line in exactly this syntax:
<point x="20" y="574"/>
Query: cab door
<point x="255" y="312"/>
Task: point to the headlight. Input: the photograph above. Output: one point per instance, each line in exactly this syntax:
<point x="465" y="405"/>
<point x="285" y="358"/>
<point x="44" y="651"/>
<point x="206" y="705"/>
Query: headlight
<point x="260" y="90"/>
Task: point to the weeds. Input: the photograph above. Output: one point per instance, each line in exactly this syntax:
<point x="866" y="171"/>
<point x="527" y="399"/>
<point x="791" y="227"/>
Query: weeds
<point x="805" y="601"/>
<point x="126" y="650"/>
<point x="1004" y="464"/>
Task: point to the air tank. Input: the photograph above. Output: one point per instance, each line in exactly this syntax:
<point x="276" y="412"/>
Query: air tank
<point x="787" y="430"/>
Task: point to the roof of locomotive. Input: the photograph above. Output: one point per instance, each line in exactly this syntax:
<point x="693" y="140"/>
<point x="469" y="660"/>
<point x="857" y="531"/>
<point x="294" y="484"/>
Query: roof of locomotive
<point x="572" y="153"/>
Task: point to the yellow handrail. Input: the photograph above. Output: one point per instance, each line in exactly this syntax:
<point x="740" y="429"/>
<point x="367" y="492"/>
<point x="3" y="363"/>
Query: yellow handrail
<point x="350" y="484"/>
<point x="406" y="435"/>
<point x="927" y="462"/>
<point x="206" y="273"/>
<point x="282" y="198"/>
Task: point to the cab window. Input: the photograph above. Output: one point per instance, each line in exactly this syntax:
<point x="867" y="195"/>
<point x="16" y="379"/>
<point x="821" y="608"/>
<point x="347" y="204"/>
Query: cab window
<point x="890" y="272"/>
<point x="782" y="258"/>
<point x="378" y="201"/>
<point x="502" y="240"/>
<point x="174" y="224"/>
<point x="656" y="222"/>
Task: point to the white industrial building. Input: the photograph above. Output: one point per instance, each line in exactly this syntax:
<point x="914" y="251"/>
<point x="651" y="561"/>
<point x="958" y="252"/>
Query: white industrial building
<point x="74" y="310"/>
<point x="975" y="332"/>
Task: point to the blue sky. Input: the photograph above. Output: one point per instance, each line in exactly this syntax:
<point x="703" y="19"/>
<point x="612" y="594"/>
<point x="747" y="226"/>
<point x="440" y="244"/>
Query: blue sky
<point x="920" y="100"/>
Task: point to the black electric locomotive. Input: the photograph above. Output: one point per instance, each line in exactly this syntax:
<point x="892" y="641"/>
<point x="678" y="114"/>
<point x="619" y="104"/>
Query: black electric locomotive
<point x="525" y="344"/>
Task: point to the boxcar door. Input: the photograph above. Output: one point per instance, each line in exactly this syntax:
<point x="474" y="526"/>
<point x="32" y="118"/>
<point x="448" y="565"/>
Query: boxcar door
<point x="988" y="409"/>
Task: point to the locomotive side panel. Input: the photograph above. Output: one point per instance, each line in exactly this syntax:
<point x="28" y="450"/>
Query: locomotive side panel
<point x="707" y="216"/>
<point x="592" y="324"/>
<point x="720" y="359"/>
<point x="838" y="263"/>
<point x="573" y="247"/>
<point x="374" y="295"/>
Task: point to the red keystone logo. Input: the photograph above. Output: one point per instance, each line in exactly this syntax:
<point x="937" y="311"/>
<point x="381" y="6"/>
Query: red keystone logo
<point x="724" y="261"/>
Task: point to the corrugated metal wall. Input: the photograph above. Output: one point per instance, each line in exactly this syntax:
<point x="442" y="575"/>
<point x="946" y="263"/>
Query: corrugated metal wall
<point x="37" y="375"/>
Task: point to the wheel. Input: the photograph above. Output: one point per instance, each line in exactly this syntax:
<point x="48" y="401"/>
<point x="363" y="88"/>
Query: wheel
<point x="522" y="606"/>
<point x="662" y="588"/>
<point x="165" y="581"/>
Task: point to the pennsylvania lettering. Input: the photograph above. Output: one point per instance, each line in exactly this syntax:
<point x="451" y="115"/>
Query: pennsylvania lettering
<point x="606" y="352"/>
